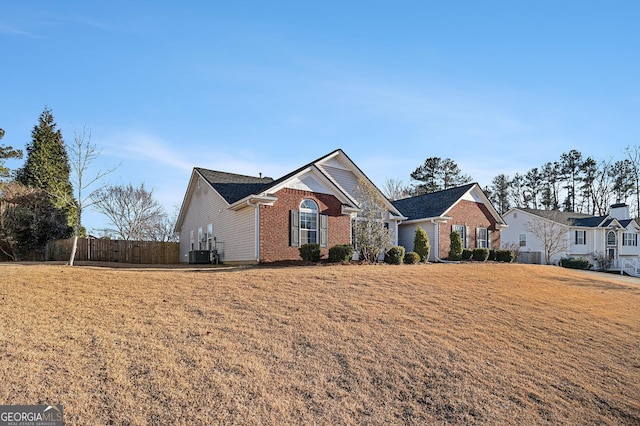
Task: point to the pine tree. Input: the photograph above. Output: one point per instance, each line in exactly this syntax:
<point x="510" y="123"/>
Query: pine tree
<point x="499" y="192"/>
<point x="47" y="164"/>
<point x="437" y="174"/>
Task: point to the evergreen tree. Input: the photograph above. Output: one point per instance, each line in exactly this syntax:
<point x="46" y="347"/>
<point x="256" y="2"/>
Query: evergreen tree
<point x="6" y="152"/>
<point x="421" y="244"/>
<point x="28" y="220"/>
<point x="532" y="183"/>
<point x="499" y="194"/>
<point x="436" y="174"/>
<point x="455" y="249"/>
<point x="570" y="168"/>
<point x="589" y="173"/>
<point x="551" y="186"/>
<point x="623" y="180"/>
<point x="47" y="164"/>
<point x="519" y="194"/>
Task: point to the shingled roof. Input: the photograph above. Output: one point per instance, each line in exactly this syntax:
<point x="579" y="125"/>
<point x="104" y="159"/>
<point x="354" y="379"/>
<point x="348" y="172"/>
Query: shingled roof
<point x="233" y="187"/>
<point x="434" y="204"/>
<point x="569" y="218"/>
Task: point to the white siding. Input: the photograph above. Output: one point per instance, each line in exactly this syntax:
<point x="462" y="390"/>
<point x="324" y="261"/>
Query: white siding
<point x="343" y="178"/>
<point x="584" y="250"/>
<point x="234" y="230"/>
<point x="517" y="221"/>
<point x="407" y="232"/>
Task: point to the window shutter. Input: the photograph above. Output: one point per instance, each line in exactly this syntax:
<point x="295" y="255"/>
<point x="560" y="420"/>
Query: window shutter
<point x="295" y="228"/>
<point x="323" y="230"/>
<point x="575" y="237"/>
<point x="477" y="237"/>
<point x="467" y="243"/>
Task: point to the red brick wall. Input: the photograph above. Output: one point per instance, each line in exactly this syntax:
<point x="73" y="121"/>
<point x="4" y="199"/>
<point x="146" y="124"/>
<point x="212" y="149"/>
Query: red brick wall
<point x="275" y="226"/>
<point x="472" y="215"/>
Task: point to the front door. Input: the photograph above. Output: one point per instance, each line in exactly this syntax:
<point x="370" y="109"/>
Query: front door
<point x="611" y="253"/>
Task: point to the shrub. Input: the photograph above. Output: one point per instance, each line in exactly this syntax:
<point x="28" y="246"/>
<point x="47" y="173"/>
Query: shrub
<point x="421" y="244"/>
<point x="310" y="252"/>
<point x="466" y="254"/>
<point x="575" y="263"/>
<point x="505" y="255"/>
<point x="493" y="255"/>
<point x="480" y="254"/>
<point x="341" y="253"/>
<point x="394" y="256"/>
<point x="411" y="258"/>
<point x="455" y="249"/>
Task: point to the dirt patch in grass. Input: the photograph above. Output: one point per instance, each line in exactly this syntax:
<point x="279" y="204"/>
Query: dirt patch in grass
<point x="342" y="344"/>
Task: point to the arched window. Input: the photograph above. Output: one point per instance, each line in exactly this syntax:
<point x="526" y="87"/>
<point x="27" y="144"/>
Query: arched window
<point x="308" y="222"/>
<point x="308" y="225"/>
<point x="611" y="238"/>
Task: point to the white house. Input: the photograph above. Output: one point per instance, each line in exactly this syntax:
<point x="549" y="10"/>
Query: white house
<point x="607" y="241"/>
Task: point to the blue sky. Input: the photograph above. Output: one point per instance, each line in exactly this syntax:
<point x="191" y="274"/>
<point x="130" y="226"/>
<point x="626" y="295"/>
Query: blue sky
<point x="263" y="87"/>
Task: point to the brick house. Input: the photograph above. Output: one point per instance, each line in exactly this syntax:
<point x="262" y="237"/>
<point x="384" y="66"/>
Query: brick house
<point x="248" y="219"/>
<point x="464" y="209"/>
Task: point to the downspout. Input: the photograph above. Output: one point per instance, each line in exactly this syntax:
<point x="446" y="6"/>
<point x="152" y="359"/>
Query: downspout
<point x="257" y="230"/>
<point x="437" y="235"/>
<point x="436" y="253"/>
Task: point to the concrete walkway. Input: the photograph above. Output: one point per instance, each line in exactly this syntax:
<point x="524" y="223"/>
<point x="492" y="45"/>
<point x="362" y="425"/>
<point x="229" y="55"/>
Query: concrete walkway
<point x="613" y="276"/>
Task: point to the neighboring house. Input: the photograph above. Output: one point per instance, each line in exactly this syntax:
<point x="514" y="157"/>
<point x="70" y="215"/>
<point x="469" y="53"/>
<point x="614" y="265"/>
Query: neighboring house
<point x="248" y="219"/>
<point x="612" y="238"/>
<point x="464" y="209"/>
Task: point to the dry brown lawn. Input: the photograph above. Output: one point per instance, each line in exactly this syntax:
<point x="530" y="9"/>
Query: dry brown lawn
<point x="341" y="344"/>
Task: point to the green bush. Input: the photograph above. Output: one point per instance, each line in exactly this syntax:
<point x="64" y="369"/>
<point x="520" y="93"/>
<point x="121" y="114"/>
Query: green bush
<point x="310" y="252"/>
<point x="480" y="254"/>
<point x="394" y="256"/>
<point x="575" y="263"/>
<point x="466" y="254"/>
<point x="455" y="249"/>
<point x="341" y="253"/>
<point x="411" y="258"/>
<point x="421" y="244"/>
<point x="493" y="255"/>
<point x="505" y="256"/>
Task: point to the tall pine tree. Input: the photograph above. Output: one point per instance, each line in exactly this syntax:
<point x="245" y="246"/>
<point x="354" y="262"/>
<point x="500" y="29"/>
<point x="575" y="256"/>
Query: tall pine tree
<point x="47" y="164"/>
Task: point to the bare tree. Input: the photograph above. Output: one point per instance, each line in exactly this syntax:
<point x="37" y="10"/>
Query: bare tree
<point x="371" y="233"/>
<point x="395" y="189"/>
<point x="162" y="227"/>
<point x="633" y="154"/>
<point x="551" y="233"/>
<point x="131" y="210"/>
<point x="81" y="155"/>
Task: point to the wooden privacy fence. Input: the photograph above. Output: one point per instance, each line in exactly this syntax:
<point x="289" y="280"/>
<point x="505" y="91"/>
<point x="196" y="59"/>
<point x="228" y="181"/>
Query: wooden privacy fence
<point x="103" y="250"/>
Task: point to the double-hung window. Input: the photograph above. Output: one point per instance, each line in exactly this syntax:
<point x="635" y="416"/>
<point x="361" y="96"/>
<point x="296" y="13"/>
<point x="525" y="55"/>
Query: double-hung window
<point x="482" y="238"/>
<point x="308" y="222"/>
<point x="461" y="231"/>
<point x="629" y="239"/>
<point x="522" y="238"/>
<point x="580" y="237"/>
